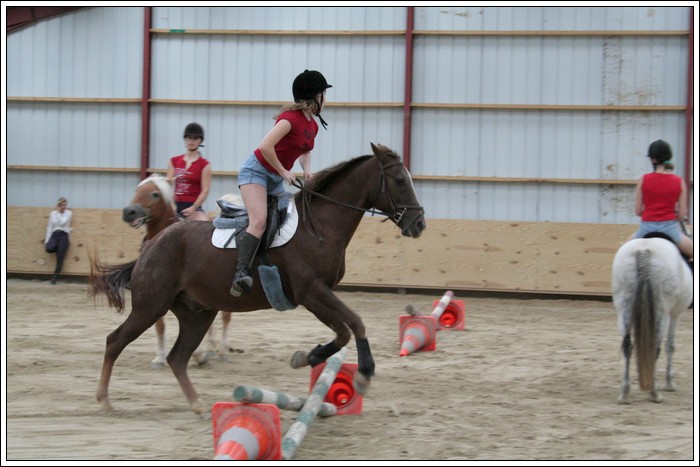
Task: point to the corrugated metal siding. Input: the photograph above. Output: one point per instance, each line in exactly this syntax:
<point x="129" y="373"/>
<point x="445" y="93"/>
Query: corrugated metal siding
<point x="93" y="52"/>
<point x="281" y="18"/>
<point x="97" y="53"/>
<point x="558" y="144"/>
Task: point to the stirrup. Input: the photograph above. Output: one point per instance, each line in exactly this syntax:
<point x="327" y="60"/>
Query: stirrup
<point x="242" y="282"/>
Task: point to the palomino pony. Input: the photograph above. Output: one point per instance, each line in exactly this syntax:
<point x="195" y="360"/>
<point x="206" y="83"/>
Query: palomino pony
<point x="180" y="269"/>
<point x="651" y="285"/>
<point x="153" y="205"/>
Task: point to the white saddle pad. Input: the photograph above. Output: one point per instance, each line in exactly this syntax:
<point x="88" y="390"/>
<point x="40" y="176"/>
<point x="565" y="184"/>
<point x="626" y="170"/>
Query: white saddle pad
<point x="221" y="236"/>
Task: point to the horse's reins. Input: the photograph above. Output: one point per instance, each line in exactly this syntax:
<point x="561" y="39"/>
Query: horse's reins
<point x="395" y="217"/>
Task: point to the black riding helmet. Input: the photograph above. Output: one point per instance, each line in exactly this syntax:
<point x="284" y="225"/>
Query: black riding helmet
<point x="195" y="130"/>
<point x="305" y="87"/>
<point x="660" y="151"/>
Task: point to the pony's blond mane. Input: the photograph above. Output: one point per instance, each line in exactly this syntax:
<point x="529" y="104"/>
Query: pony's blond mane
<point x="163" y="186"/>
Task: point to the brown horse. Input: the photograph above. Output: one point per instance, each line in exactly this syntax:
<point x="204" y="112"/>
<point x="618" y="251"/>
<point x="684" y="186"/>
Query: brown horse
<point x="153" y="206"/>
<point x="180" y="269"/>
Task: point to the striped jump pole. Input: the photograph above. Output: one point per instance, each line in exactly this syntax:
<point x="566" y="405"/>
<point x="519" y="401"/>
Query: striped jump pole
<point x="253" y="395"/>
<point x="246" y="431"/>
<point x="417" y="333"/>
<point x="300" y="427"/>
<point x="448" y="312"/>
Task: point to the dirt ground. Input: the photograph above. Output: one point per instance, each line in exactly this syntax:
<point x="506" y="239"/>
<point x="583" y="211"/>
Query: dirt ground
<point x="529" y="379"/>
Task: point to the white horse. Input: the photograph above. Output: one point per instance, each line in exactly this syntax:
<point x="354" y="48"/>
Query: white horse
<point x="651" y="286"/>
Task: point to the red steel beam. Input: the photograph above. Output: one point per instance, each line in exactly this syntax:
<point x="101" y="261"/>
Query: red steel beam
<point x="689" y="113"/>
<point x="146" y="92"/>
<point x="408" y="91"/>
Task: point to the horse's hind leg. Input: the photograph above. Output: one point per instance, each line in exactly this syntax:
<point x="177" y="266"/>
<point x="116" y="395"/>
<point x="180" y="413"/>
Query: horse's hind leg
<point x="193" y="327"/>
<point x="134" y="325"/>
<point x="159" y="361"/>
<point x="625" y="386"/>
<point x="225" y="321"/>
<point x="670" y="348"/>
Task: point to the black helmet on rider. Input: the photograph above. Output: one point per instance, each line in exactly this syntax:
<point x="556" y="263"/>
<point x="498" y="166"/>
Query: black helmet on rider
<point x="660" y="151"/>
<point x="194" y="130"/>
<point x="307" y="84"/>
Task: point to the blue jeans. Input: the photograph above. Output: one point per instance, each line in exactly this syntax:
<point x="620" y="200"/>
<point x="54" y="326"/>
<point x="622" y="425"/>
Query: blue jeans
<point x="670" y="228"/>
<point x="252" y="171"/>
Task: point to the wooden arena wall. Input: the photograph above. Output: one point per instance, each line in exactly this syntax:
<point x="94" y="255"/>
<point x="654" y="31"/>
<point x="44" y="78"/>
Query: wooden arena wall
<point x="533" y="257"/>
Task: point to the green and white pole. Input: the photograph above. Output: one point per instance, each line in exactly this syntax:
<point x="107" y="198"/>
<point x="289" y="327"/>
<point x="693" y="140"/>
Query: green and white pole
<point x="311" y="408"/>
<point x="254" y="395"/>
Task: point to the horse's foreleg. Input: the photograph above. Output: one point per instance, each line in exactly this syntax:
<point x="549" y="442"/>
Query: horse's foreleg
<point x="159" y="361"/>
<point x="625" y="386"/>
<point x="193" y="327"/>
<point x="341" y="319"/>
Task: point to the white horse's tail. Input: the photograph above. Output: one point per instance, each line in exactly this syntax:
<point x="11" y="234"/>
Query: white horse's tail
<point x="643" y="321"/>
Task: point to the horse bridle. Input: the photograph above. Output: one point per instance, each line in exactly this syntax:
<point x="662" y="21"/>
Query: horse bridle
<point x="396" y="217"/>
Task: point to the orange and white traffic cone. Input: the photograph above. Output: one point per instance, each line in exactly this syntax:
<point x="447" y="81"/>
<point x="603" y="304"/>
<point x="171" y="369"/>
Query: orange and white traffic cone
<point x="417" y="333"/>
<point x="246" y="431"/>
<point x="341" y="393"/>
<point x="449" y="312"/>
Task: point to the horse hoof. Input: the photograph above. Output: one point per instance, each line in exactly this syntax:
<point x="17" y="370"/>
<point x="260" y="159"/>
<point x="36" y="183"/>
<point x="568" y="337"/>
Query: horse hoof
<point x="623" y="400"/>
<point x="656" y="398"/>
<point x="223" y="357"/>
<point x="200" y="409"/>
<point x="360" y="383"/>
<point x="106" y="407"/>
<point x="203" y="358"/>
<point x="299" y="359"/>
<point x="157" y="365"/>
<point x="670" y="387"/>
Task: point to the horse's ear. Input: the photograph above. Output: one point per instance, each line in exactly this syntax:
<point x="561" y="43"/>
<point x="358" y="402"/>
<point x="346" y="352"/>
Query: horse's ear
<point x="379" y="149"/>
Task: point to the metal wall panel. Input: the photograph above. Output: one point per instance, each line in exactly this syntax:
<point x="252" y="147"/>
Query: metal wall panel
<point x="92" y="52"/>
<point x="261" y="68"/>
<point x="281" y="18"/>
<point x="82" y="189"/>
<point x="554" y="18"/>
<point x="74" y="134"/>
<point x="559" y="144"/>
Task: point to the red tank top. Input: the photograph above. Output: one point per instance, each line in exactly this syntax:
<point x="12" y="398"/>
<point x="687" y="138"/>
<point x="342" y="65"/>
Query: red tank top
<point x="298" y="141"/>
<point x="188" y="182"/>
<point x="660" y="194"/>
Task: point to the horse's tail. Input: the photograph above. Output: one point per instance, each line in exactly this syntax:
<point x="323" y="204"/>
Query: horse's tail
<point x="110" y="280"/>
<point x="643" y="320"/>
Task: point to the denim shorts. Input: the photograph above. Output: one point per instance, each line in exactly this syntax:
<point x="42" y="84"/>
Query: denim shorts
<point x="670" y="228"/>
<point x="252" y="171"/>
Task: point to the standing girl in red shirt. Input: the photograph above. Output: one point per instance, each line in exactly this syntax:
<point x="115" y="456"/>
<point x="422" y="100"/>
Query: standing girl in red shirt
<point x="265" y="171"/>
<point x="190" y="174"/>
<point x="661" y="200"/>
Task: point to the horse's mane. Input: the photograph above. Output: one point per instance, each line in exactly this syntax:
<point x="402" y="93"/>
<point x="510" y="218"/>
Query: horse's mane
<point x="326" y="177"/>
<point x="163" y="186"/>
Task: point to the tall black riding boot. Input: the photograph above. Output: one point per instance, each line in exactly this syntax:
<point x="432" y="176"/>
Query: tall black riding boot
<point x="247" y="246"/>
<point x="57" y="271"/>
